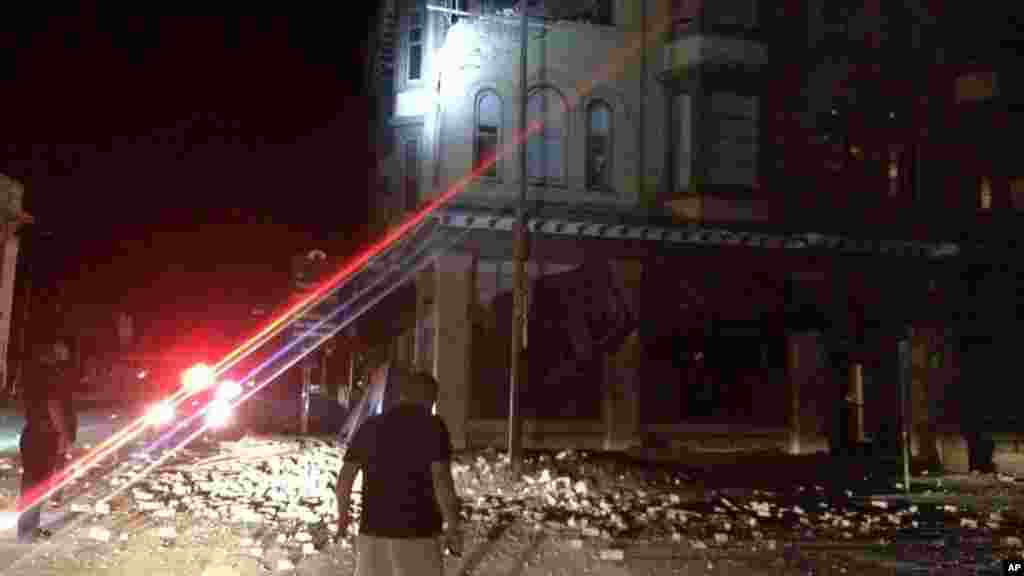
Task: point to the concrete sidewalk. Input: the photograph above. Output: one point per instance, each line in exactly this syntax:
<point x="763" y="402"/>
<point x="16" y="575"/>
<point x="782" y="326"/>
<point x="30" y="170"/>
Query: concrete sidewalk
<point x="14" y="553"/>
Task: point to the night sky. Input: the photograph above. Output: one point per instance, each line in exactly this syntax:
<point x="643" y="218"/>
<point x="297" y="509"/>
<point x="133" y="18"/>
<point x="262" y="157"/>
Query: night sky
<point x="180" y="162"/>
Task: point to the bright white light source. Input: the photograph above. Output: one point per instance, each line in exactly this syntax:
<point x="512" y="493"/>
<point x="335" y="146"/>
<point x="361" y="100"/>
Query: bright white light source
<point x="161" y="414"/>
<point x="198" y="377"/>
<point x="218" y="414"/>
<point x="8" y="520"/>
<point x="142" y="374"/>
<point x="413" y="102"/>
<point x="228" y="389"/>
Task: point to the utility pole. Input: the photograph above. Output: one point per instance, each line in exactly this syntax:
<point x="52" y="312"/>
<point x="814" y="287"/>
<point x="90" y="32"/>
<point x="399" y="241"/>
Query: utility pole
<point x="515" y="423"/>
<point x="307" y="384"/>
<point x="905" y="368"/>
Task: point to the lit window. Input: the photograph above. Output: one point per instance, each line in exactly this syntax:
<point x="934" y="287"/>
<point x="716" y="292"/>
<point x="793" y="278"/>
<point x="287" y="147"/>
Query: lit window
<point x="985" y="193"/>
<point x="599" y="146"/>
<point x="415" y="45"/>
<point x="975" y="87"/>
<point x="545" y="150"/>
<point x="855" y="151"/>
<point x="412" y="164"/>
<point x="488" y="133"/>
<point x="893" y="173"/>
<point x="1017" y="193"/>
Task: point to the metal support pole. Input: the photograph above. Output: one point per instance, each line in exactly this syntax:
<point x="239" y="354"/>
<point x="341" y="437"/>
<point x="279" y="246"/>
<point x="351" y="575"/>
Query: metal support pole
<point x="515" y="448"/>
<point x="307" y="377"/>
<point x="857" y="400"/>
<point x="323" y="372"/>
<point x="351" y="380"/>
<point x="904" y="397"/>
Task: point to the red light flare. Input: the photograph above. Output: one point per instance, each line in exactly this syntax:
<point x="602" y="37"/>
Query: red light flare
<point x="584" y="87"/>
<point x="274" y="327"/>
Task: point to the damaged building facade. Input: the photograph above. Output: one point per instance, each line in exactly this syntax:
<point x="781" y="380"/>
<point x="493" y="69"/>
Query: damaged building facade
<point x="729" y="242"/>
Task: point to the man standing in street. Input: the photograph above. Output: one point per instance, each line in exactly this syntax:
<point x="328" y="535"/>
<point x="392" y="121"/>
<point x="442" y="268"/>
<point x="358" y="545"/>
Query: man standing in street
<point x="405" y="457"/>
<point x="43" y="440"/>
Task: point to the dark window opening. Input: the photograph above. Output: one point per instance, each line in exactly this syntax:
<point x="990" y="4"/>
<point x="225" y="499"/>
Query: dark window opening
<point x="599" y="146"/>
<point x="488" y="133"/>
<point x="415" y="45"/>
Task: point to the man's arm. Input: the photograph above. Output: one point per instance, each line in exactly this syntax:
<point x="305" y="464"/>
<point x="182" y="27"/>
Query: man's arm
<point x="346" y="476"/>
<point x="444" y="492"/>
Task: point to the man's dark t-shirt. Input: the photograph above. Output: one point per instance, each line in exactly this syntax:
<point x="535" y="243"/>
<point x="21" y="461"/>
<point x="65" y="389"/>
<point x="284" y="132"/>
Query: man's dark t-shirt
<point x="395" y="450"/>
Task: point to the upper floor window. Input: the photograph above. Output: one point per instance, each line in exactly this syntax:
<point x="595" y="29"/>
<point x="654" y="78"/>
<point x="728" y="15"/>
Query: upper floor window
<point x="985" y="193"/>
<point x="488" y="133"/>
<point x="457" y="5"/>
<point x="1017" y="194"/>
<point x="599" y="146"/>
<point x="735" y="139"/>
<point x="415" y="45"/>
<point x="975" y="87"/>
<point x="545" y="148"/>
<point x="893" y="172"/>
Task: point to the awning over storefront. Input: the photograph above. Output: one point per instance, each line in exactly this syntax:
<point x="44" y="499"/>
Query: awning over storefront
<point x="699" y="235"/>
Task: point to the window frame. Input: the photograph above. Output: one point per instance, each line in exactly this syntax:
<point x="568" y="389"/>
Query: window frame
<point x="546" y="180"/>
<point x="894" y="172"/>
<point x="453" y="19"/>
<point x="607" y="187"/>
<point x="716" y="145"/>
<point x="1016" y="191"/>
<point x="414" y="16"/>
<point x="985" y="194"/>
<point x="477" y="159"/>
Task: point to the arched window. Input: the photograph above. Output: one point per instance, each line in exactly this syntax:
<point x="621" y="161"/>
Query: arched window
<point x="488" y="134"/>
<point x="545" y="148"/>
<point x="599" y="146"/>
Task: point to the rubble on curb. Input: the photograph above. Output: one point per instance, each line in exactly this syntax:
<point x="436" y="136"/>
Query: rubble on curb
<point x="286" y="489"/>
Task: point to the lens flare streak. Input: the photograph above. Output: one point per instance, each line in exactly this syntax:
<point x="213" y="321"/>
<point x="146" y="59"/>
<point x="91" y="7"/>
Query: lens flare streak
<point x="361" y="262"/>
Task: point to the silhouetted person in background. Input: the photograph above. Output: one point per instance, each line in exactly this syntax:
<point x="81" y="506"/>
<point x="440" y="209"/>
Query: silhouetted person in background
<point x="64" y="394"/>
<point x="43" y="439"/>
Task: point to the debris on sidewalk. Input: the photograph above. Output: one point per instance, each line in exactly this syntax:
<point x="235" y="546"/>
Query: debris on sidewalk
<point x="279" y="494"/>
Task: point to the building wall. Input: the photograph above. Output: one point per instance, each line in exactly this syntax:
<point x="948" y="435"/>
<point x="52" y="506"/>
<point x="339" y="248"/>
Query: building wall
<point x="846" y="139"/>
<point x="11" y="194"/>
<point x="622" y="65"/>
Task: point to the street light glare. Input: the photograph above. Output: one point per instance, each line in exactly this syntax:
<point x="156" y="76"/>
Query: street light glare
<point x="218" y="414"/>
<point x="162" y="414"/>
<point x="228" y="390"/>
<point x="198" y="377"/>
